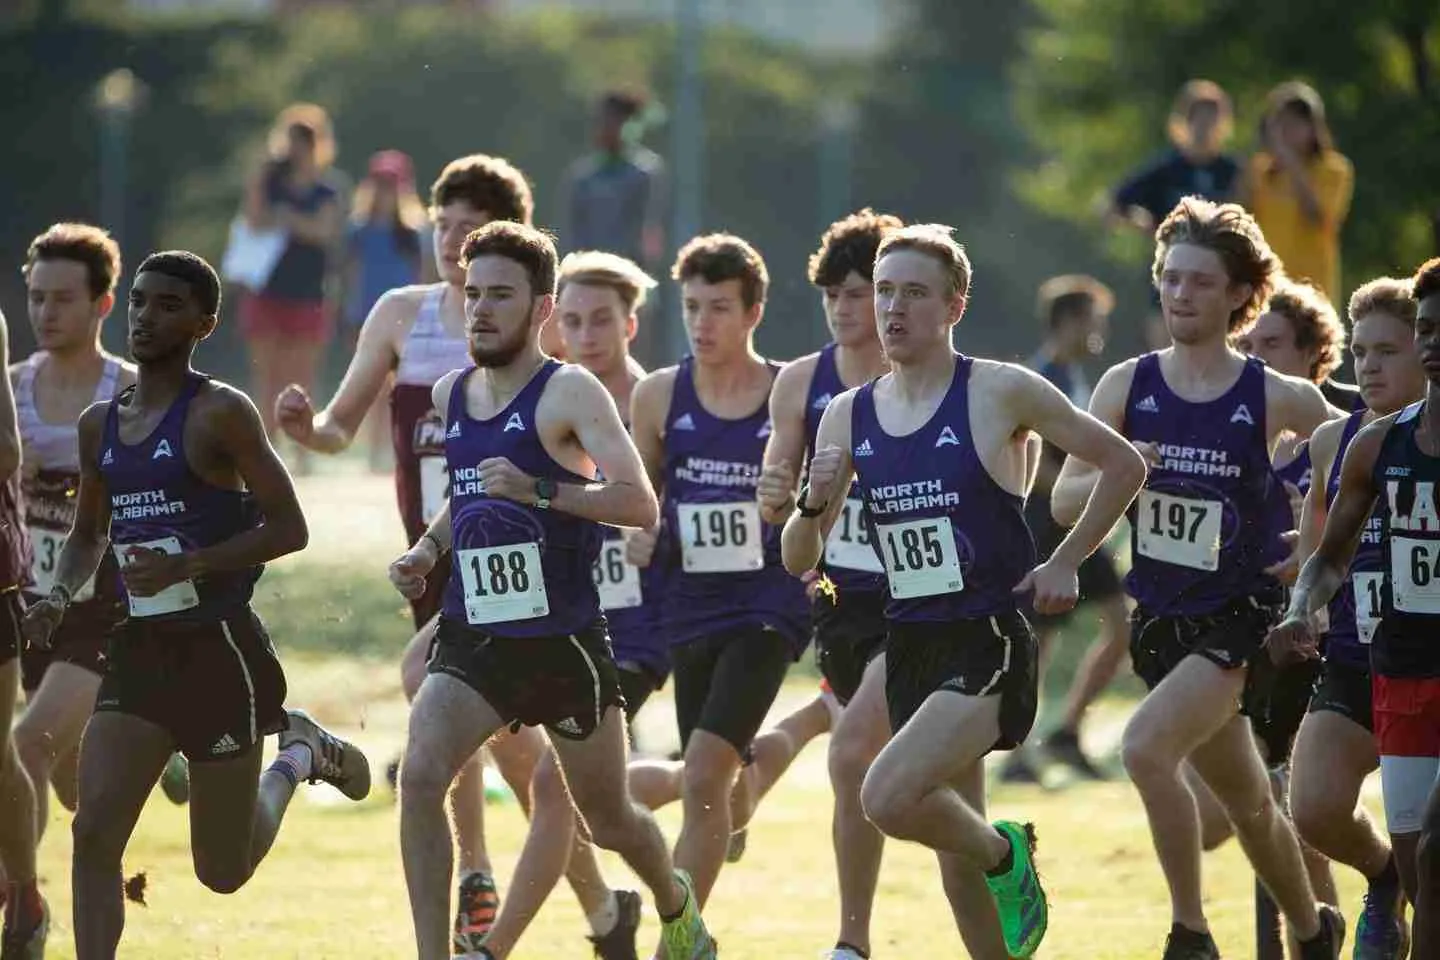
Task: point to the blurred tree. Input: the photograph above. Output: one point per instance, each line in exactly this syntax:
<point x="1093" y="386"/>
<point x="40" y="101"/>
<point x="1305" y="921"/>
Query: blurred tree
<point x="1097" y="78"/>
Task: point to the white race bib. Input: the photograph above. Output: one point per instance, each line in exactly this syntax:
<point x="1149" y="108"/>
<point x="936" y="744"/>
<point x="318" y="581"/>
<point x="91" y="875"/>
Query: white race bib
<point x="174" y="598"/>
<point x="47" y="545"/>
<point x="434" y="486"/>
<point x="1178" y="530"/>
<point x="848" y="545"/>
<point x="920" y="558"/>
<point x="503" y="583"/>
<point x="617" y="581"/>
<point x="1415" y="574"/>
<point x="720" y="537"/>
<point x="1367" y="603"/>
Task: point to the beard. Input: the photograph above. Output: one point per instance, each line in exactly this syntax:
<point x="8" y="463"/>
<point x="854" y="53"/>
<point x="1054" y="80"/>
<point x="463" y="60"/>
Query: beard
<point x="502" y="354"/>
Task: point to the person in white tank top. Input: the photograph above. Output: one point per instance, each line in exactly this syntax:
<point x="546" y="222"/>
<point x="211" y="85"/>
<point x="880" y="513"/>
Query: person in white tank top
<point x="70" y="273"/>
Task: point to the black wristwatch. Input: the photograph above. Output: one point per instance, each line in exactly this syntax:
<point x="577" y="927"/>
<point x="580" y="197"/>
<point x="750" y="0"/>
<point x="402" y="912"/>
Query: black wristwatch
<point x="545" y="490"/>
<point x="804" y="511"/>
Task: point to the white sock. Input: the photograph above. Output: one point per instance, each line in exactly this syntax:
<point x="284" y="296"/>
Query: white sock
<point x="602" y="921"/>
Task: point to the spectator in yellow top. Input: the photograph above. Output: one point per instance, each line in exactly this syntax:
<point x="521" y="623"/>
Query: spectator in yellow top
<point x="1298" y="187"/>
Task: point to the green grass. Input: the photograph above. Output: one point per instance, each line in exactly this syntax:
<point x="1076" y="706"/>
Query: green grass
<point x="332" y="886"/>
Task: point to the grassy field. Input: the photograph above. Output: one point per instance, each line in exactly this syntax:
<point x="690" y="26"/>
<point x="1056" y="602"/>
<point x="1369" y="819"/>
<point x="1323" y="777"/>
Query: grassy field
<point x="332" y="887"/>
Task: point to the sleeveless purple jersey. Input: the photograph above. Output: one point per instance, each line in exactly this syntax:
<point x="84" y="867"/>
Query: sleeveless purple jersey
<point x="1405" y="644"/>
<point x="1355" y="613"/>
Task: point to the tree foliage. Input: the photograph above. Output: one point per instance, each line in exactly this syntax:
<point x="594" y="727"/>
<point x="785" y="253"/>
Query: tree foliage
<point x="1097" y="77"/>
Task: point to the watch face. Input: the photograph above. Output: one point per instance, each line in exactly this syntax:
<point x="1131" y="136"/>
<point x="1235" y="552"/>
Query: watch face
<point x="545" y="488"/>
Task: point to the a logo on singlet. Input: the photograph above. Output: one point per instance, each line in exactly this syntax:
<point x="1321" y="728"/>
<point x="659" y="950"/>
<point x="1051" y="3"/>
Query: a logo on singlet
<point x="162" y="449"/>
<point x="454" y="431"/>
<point x="947" y="438"/>
<point x="514" y="423"/>
<point x="108" y="459"/>
<point x="764" y="430"/>
<point x="864" y="450"/>
<point x="821" y="402"/>
<point x="1242" y="415"/>
<point x="1148" y="405"/>
<point x="686" y="422"/>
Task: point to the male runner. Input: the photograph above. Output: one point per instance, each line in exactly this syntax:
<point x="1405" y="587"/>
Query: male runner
<point x="1299" y="334"/>
<point x="27" y="919"/>
<point x="1205" y="417"/>
<point x="1074" y="310"/>
<point x="939" y="447"/>
<point x="178" y="475"/>
<point x="735" y="619"/>
<point x="848" y="616"/>
<point x="1335" y="749"/>
<point x="418" y="334"/>
<point x="1392" y="464"/>
<point x="521" y="638"/>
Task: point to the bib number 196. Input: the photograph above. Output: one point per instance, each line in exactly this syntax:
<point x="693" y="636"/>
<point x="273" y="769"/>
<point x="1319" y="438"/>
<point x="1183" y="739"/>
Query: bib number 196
<point x="720" y="537"/>
<point x="503" y="583"/>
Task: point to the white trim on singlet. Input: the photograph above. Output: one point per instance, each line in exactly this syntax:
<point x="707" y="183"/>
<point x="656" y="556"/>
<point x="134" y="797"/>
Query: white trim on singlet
<point x="54" y="446"/>
<point x="429" y="351"/>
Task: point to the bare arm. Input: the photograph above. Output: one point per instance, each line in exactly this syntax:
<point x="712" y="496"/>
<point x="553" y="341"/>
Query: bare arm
<point x="235" y="423"/>
<point x="625" y="497"/>
<point x="649" y="406"/>
<point x="785" y="450"/>
<point x="90" y="533"/>
<point x="1119" y="468"/>
<point x="1325" y="571"/>
<point x="802" y="541"/>
<point x="9" y="424"/>
<point x="1324" y="444"/>
<point x="1078" y="478"/>
<point x="1296" y="405"/>
<point x="333" y="429"/>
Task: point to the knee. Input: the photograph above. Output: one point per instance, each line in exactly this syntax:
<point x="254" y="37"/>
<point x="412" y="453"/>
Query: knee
<point x="885" y="804"/>
<point x="849" y="759"/>
<point x="95" y="842"/>
<point x="548" y="784"/>
<point x="1314" y="815"/>
<point x="33" y="746"/>
<point x="1145" y="760"/>
<point x="221" y="879"/>
<point x="422" y="778"/>
<point x="706" y="780"/>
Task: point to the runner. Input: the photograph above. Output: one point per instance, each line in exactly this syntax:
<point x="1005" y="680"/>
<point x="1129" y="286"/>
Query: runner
<point x="735" y="619"/>
<point x="848" y="614"/>
<point x="522" y="639"/>
<point x="418" y="335"/>
<point x="954" y="625"/>
<point x="1075" y="311"/>
<point x="178" y="475"/>
<point x="1335" y="750"/>
<point x="1205" y="418"/>
<point x="1396" y="455"/>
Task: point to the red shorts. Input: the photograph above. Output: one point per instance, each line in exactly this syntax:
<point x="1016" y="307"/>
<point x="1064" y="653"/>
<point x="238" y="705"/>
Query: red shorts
<point x="1407" y="716"/>
<point x="263" y="317"/>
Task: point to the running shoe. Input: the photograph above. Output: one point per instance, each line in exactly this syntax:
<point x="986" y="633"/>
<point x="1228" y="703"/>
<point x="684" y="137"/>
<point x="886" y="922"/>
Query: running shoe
<point x="337" y="762"/>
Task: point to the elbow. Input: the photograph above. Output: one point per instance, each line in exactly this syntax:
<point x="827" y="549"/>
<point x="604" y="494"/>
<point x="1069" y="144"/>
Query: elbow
<point x="794" y="566"/>
<point x="645" y="512"/>
<point x="796" y="559"/>
<point x="294" y="536"/>
<point x="1129" y="469"/>
<point x="1064" y="509"/>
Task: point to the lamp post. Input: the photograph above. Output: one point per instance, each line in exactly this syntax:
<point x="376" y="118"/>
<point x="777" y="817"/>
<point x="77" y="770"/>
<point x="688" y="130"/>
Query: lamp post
<point x="117" y="96"/>
<point x="687" y="151"/>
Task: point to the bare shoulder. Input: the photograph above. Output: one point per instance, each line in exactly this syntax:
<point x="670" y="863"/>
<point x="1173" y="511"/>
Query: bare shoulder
<point x="440" y="392"/>
<point x="92" y="419"/>
<point x="216" y="398"/>
<point x="1005" y="378"/>
<point x="572" y="382"/>
<point x="394" y="313"/>
<point x="1291" y="388"/>
<point x="655" y="387"/>
<point x="128" y="375"/>
<point x="1326" y="439"/>
<point x="16" y="369"/>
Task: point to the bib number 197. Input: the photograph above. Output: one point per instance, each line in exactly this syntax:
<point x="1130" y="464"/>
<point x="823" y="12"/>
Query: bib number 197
<point x="1179" y="530"/>
<point x="920" y="558"/>
<point x="503" y="583"/>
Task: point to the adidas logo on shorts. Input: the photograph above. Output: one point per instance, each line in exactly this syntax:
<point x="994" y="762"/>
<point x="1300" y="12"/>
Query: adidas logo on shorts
<point x="1148" y="405"/>
<point x="864" y="450"/>
<point x="226" y="744"/>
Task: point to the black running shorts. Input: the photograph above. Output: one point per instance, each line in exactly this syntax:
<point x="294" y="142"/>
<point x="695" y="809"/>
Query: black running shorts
<point x="563" y="683"/>
<point x="80" y="639"/>
<point x="215" y="685"/>
<point x="1230" y="638"/>
<point x="849" y="633"/>
<point x="1276" y="699"/>
<point x="1346" y="690"/>
<point x="637" y="683"/>
<point x="725" y="684"/>
<point x="989" y="656"/>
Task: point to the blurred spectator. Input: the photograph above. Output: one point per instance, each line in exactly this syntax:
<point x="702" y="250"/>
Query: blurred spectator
<point x="285" y="322"/>
<point x="1298" y="187"/>
<point x="1200" y="123"/>
<point x="386" y="248"/>
<point x="615" y="195"/>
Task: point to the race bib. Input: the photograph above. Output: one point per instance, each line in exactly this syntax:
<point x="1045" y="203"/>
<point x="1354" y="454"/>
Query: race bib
<point x="617" y="581"/>
<point x="1178" y="530"/>
<point x="920" y="558"/>
<point x="503" y="583"/>
<point x="434" y="486"/>
<point x="44" y="561"/>
<point x="1414" y="575"/>
<point x="720" y="537"/>
<point x="1368" y="604"/>
<point x="848" y="545"/>
<point x="174" y="598"/>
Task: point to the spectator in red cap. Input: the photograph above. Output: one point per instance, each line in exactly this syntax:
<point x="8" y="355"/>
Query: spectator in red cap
<point x="385" y="250"/>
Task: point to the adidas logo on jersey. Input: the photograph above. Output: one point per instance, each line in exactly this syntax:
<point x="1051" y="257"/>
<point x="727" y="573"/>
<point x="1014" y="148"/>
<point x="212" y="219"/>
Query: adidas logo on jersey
<point x="162" y="449"/>
<point x="108" y="459"/>
<point x="514" y="423"/>
<point x="1148" y="405"/>
<point x="764" y="430"/>
<point x="864" y="450"/>
<point x="821" y="402"/>
<point x="947" y="438"/>
<point x="1242" y="415"/>
<point x="686" y="422"/>
<point x="226" y="744"/>
<point x="454" y="430"/>
<point x="568" y="725"/>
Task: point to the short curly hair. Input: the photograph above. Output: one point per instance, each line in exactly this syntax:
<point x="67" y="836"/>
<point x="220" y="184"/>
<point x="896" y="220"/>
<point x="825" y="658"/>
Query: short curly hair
<point x="490" y="184"/>
<point x="1230" y="231"/>
<point x="717" y="257"/>
<point x="849" y="244"/>
<point x="1316" y="324"/>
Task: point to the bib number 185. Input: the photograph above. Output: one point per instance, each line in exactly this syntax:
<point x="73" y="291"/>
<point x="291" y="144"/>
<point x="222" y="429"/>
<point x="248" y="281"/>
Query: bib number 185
<point x="920" y="558"/>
